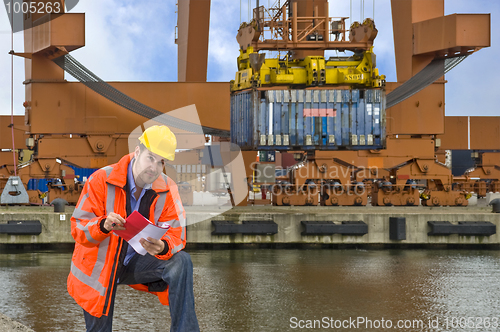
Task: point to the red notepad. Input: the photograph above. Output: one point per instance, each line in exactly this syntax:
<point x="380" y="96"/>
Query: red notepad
<point x="138" y="227"/>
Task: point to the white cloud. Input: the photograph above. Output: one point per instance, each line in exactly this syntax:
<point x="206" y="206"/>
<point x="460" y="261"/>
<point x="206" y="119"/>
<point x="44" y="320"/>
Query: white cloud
<point x="5" y="69"/>
<point x="223" y="48"/>
<point x="126" y="40"/>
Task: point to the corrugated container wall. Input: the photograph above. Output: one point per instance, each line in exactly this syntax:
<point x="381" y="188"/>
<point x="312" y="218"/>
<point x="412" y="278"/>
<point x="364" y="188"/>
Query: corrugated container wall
<point x="308" y="119"/>
<point x="41" y="184"/>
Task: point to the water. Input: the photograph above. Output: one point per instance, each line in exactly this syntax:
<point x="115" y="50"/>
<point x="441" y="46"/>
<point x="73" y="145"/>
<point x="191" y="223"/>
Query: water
<point x="281" y="290"/>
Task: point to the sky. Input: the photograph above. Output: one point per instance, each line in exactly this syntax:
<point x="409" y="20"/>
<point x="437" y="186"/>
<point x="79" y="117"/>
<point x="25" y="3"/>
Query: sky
<point x="134" y="40"/>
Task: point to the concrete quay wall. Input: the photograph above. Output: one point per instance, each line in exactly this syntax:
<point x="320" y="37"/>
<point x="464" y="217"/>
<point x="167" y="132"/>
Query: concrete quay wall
<point x="290" y="228"/>
<point x="56" y="226"/>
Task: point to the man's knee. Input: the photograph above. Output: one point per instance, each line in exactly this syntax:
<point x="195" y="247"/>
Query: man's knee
<point x="183" y="260"/>
<point x="180" y="264"/>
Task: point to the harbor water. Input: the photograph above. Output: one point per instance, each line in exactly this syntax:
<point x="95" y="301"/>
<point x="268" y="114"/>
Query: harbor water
<point x="281" y="290"/>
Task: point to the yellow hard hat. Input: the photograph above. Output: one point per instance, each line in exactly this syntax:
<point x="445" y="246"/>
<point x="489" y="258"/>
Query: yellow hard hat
<point x="160" y="140"/>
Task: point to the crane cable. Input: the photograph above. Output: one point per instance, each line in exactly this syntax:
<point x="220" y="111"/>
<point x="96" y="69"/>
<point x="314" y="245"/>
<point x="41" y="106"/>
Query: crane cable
<point x="350" y="15"/>
<point x="93" y="82"/>
<point x="362" y="10"/>
<point x="434" y="70"/>
<point x="12" y="91"/>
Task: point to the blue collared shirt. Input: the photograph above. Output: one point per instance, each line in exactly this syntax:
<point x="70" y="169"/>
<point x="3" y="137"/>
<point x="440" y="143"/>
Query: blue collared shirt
<point x="134" y="204"/>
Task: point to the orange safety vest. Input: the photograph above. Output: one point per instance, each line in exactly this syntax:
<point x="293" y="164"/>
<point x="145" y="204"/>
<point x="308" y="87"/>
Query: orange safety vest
<point x="97" y="255"/>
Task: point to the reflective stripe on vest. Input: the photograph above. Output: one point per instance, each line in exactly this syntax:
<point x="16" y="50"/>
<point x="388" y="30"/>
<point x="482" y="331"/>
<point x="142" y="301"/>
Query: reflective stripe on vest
<point x="174" y="223"/>
<point x="179" y="222"/>
<point x="80" y="214"/>
<point x="182" y="223"/>
<point x="160" y="204"/>
<point x="108" y="170"/>
<point x="93" y="280"/>
<point x="180" y="216"/>
<point x="110" y="200"/>
<point x="176" y="249"/>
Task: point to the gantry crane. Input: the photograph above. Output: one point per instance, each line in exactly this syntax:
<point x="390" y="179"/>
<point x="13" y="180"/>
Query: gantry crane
<point x="422" y="34"/>
<point x="91" y="130"/>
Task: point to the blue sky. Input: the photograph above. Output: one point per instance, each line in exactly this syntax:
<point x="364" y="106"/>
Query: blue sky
<point x="132" y="40"/>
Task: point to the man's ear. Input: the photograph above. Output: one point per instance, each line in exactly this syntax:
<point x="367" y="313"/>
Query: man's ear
<point x="137" y="152"/>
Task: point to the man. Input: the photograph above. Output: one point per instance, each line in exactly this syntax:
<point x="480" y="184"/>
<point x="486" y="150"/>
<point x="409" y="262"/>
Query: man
<point x="102" y="259"/>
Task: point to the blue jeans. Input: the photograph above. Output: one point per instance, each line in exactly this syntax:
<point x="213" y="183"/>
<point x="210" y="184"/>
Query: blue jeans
<point x="177" y="272"/>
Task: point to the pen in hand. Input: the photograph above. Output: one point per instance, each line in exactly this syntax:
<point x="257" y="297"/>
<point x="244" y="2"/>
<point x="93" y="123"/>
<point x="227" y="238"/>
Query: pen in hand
<point x="114" y="222"/>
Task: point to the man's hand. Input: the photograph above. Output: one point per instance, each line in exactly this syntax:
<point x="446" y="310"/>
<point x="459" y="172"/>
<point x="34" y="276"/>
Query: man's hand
<point x="153" y="246"/>
<point x="114" y="222"/>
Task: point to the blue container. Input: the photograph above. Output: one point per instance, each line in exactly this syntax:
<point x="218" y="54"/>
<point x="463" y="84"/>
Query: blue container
<point x="41" y="184"/>
<point x="38" y="184"/>
<point x="83" y="172"/>
<point x="321" y="119"/>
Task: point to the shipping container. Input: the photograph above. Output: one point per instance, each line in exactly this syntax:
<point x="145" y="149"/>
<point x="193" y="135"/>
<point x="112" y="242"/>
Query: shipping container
<point x="38" y="184"/>
<point x="41" y="184"/>
<point x="461" y="161"/>
<point x="83" y="172"/>
<point x="321" y="119"/>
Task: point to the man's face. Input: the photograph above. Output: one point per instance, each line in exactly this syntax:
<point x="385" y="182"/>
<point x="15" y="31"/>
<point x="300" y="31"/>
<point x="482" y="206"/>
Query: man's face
<point x="147" y="167"/>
